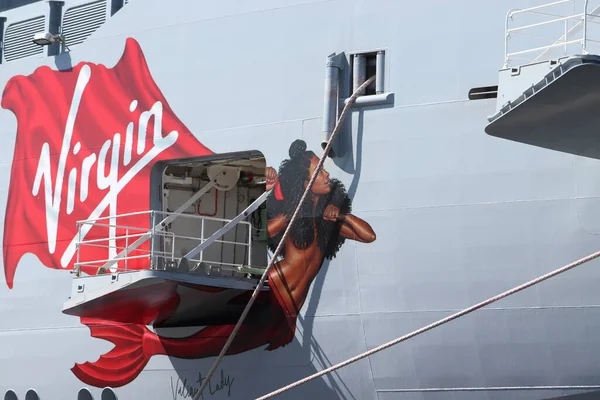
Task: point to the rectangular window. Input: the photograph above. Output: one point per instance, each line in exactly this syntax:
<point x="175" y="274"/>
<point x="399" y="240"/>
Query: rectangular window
<point x="366" y="65"/>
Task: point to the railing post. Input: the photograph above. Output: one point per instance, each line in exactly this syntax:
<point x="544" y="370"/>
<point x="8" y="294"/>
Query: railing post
<point x="585" y="15"/>
<point x="202" y="239"/>
<point x="152" y="236"/>
<point x="77" y="273"/>
<point x="172" y="247"/>
<point x="250" y="245"/>
<point x="506" y="36"/>
<point x="126" y="246"/>
<point x="566" y="35"/>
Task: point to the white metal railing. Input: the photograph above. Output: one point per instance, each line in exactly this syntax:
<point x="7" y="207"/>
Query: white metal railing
<point x="561" y="25"/>
<point x="161" y="249"/>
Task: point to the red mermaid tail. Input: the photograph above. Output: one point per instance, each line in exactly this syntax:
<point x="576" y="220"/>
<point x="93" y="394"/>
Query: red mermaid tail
<point x="123" y="363"/>
<point x="136" y="344"/>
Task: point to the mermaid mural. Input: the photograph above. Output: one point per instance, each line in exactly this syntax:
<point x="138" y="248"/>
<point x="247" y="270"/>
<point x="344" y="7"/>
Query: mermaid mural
<point x="325" y="222"/>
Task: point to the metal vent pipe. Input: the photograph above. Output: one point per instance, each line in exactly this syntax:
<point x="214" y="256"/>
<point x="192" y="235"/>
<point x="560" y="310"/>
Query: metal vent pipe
<point x="332" y="89"/>
<point x="2" y="22"/>
<point x="379" y="72"/>
<point x="54" y="25"/>
<point x="359" y="72"/>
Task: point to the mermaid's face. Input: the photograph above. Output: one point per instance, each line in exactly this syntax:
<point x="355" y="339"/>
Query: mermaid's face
<point x="322" y="184"/>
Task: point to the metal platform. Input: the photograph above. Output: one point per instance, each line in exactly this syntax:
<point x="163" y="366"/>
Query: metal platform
<point x="143" y="268"/>
<point x="160" y="298"/>
<point x="548" y="86"/>
<point x="560" y="112"/>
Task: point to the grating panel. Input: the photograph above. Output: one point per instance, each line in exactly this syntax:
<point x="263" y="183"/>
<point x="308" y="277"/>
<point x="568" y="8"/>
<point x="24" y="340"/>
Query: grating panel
<point x="18" y="39"/>
<point x="81" y="21"/>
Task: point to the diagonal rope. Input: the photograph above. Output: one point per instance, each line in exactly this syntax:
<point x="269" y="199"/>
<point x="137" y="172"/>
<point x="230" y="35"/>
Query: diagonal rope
<point x="435" y="324"/>
<point x="336" y="130"/>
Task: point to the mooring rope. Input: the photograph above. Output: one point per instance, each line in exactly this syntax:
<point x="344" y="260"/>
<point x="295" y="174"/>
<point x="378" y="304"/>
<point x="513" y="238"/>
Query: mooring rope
<point x="335" y="132"/>
<point x="435" y="324"/>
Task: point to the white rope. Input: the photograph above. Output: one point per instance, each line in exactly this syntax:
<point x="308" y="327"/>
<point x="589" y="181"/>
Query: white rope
<point x="435" y="324"/>
<point x="336" y="130"/>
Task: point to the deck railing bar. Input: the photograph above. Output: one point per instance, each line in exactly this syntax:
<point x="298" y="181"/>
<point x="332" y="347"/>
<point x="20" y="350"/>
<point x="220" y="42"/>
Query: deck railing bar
<point x="538" y="37"/>
<point x="114" y="258"/>
<point x="523" y="10"/>
<point x="520" y="28"/>
<point x="131" y="214"/>
<point x="568" y="34"/>
<point x="135" y="250"/>
<point x="107" y="238"/>
<point x="114" y="226"/>
<point x="133" y="235"/>
<point x="215" y="241"/>
<point x="162" y="252"/>
<point x="545" y="47"/>
<point x="199" y="217"/>
<point x="546" y="14"/>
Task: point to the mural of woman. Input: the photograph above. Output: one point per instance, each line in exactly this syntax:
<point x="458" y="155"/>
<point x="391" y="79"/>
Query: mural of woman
<point x="324" y="224"/>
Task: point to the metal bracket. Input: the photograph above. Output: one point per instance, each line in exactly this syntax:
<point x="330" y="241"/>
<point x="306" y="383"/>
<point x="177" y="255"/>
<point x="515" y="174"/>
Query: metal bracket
<point x="225" y="177"/>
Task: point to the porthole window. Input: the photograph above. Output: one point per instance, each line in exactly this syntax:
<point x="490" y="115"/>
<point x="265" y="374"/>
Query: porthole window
<point x="84" y="394"/>
<point x="10" y="395"/>
<point x="31" y="395"/>
<point x="108" y="394"/>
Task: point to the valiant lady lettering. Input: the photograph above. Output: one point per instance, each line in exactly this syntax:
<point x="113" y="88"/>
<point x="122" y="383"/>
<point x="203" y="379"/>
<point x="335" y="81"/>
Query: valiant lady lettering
<point x="181" y="389"/>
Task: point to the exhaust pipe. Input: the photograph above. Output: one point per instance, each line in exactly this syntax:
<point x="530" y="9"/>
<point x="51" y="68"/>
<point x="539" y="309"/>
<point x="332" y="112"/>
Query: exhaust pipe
<point x="332" y="88"/>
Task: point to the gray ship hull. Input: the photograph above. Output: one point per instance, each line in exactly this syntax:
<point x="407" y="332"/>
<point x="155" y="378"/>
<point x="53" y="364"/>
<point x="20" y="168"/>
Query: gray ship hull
<point x="459" y="215"/>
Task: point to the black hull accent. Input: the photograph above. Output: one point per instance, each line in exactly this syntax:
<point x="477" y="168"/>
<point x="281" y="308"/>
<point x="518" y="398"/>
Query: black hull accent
<point x="165" y="299"/>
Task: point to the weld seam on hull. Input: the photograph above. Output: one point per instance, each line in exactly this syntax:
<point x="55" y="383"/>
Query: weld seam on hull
<point x="491" y="388"/>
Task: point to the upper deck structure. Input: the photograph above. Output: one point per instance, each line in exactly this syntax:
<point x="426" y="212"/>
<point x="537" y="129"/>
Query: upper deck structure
<point x="548" y="89"/>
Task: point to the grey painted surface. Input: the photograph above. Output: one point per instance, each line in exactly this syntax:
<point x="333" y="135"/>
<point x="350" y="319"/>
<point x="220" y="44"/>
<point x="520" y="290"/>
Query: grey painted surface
<point x="459" y="215"/>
